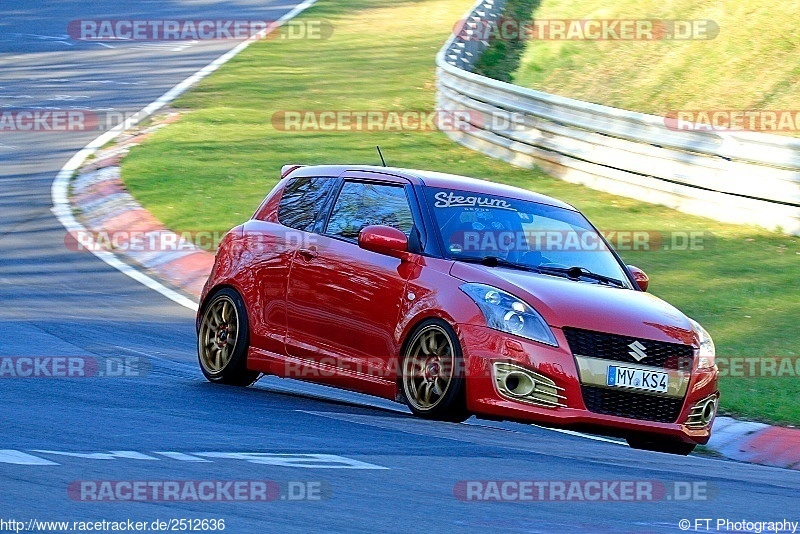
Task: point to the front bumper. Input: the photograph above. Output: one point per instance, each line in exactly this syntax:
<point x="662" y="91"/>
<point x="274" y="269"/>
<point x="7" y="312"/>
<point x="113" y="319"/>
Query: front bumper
<point x="484" y="347"/>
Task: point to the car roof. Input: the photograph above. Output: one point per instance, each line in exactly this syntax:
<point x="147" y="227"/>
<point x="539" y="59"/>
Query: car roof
<point x="434" y="179"/>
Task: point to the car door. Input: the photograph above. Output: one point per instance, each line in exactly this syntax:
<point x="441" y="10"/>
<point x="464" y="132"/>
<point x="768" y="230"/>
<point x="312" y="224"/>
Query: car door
<point x="343" y="301"/>
<point x="272" y="245"/>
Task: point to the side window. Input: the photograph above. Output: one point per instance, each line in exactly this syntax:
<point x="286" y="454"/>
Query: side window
<point x="302" y="201"/>
<point x="362" y="204"/>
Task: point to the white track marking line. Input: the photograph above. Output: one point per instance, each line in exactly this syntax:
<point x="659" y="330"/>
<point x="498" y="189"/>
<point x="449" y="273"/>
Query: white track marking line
<point x="9" y="456"/>
<point x="582" y="435"/>
<point x="60" y="188"/>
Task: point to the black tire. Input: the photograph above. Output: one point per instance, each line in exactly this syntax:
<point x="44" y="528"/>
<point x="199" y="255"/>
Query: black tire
<point x="432" y="373"/>
<point x="224" y="361"/>
<point x="657" y="444"/>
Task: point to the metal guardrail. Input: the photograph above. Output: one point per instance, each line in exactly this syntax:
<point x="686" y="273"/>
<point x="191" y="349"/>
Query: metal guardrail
<point x="737" y="177"/>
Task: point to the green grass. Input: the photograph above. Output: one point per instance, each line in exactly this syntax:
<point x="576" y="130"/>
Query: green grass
<point x="210" y="170"/>
<point x="502" y="58"/>
<point x="751" y="64"/>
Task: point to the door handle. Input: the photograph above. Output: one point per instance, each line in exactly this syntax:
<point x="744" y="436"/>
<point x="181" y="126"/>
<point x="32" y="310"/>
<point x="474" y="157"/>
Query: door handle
<point x="308" y="254"/>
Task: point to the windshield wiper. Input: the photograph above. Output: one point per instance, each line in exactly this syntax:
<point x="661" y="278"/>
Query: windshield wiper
<point x="495" y="261"/>
<point x="578" y="272"/>
<point x="570" y="272"/>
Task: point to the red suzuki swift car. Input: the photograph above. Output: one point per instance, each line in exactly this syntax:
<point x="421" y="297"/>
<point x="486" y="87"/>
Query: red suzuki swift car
<point x="456" y="296"/>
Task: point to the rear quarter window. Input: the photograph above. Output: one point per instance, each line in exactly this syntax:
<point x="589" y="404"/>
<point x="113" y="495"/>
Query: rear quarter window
<point x="303" y="201"/>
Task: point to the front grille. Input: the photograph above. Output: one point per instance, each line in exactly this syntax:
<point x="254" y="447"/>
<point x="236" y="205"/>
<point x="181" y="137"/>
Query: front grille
<point x="631" y="405"/>
<point x="616" y="348"/>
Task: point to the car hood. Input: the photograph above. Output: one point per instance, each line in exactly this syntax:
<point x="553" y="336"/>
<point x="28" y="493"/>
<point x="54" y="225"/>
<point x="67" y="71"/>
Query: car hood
<point x="563" y="302"/>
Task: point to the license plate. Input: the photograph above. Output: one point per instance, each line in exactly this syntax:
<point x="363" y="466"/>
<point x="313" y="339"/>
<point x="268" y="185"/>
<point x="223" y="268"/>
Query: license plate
<point x="626" y="377"/>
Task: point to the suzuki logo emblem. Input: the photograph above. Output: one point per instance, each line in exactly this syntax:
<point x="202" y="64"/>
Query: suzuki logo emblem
<point x="637" y="351"/>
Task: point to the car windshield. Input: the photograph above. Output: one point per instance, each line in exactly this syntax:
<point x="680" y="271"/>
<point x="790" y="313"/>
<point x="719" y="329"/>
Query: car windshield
<point x="519" y="233"/>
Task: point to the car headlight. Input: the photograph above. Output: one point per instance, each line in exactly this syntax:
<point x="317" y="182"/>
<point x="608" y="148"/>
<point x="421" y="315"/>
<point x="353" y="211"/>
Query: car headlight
<point x="707" y="355"/>
<point x="505" y="312"/>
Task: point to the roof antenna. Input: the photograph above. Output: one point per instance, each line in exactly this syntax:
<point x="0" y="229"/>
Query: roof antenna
<point x="381" y="155"/>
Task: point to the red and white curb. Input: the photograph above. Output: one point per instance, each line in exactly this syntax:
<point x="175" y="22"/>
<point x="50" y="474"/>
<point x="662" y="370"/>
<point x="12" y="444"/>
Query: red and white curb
<point x="756" y="443"/>
<point x="106" y="208"/>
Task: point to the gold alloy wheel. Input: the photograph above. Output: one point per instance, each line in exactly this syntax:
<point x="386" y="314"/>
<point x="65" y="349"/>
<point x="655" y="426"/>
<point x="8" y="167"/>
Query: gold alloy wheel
<point x="218" y="334"/>
<point x="428" y="367"/>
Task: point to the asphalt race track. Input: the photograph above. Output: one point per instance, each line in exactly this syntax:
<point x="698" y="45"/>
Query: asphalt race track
<point x="333" y="461"/>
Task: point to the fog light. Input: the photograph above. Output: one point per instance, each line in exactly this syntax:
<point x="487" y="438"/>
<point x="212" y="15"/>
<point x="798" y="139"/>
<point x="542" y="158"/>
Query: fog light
<point x="523" y="385"/>
<point x="709" y="410"/>
<point x="519" y="384"/>
<point x="703" y="412"/>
